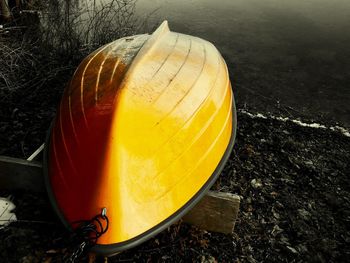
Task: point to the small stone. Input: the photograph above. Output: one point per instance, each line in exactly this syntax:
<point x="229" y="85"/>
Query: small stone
<point x="284" y="240"/>
<point x="14" y="112"/>
<point x="251" y="259"/>
<point x="309" y="163"/>
<point x="276" y="230"/>
<point x="208" y="259"/>
<point x="293" y="250"/>
<point x="274" y="194"/>
<point x="302" y="249"/>
<point x="275" y="214"/>
<point x="256" y="183"/>
<point x="304" y="214"/>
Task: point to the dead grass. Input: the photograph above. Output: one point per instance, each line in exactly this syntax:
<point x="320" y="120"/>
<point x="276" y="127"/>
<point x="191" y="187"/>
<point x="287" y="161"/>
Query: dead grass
<point x="45" y="43"/>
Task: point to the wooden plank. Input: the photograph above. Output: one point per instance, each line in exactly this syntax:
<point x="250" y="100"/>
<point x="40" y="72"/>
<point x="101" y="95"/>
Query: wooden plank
<point x="217" y="211"/>
<point x="19" y="174"/>
<point x="37" y="153"/>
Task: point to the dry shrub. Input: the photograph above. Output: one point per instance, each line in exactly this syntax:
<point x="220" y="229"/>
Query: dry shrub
<point x="40" y="49"/>
<point x="82" y="26"/>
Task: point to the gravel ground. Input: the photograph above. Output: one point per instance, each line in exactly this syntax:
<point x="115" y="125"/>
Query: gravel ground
<point x="294" y="184"/>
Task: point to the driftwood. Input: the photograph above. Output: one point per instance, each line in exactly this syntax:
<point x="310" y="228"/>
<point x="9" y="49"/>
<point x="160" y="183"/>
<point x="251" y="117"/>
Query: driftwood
<point x="216" y="211"/>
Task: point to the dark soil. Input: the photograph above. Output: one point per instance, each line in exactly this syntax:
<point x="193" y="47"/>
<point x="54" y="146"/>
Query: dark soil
<point x="295" y="207"/>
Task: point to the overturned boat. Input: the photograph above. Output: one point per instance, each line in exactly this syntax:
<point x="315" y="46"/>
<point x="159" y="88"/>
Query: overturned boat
<point x="144" y="128"/>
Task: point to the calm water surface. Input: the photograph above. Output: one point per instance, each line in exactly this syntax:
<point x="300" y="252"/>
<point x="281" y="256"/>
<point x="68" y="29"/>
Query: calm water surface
<point x="282" y="54"/>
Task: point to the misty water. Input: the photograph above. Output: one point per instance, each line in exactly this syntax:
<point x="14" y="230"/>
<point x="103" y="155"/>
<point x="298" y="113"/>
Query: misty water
<point x="291" y="57"/>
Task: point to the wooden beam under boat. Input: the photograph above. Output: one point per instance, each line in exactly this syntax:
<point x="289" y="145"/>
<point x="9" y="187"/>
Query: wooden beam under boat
<point x="216" y="211"/>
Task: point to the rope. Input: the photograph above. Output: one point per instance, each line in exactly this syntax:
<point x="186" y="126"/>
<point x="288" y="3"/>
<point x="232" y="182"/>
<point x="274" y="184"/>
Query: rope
<point x="87" y="234"/>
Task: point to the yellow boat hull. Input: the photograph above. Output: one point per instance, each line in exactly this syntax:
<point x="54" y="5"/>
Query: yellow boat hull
<point x="143" y="130"/>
